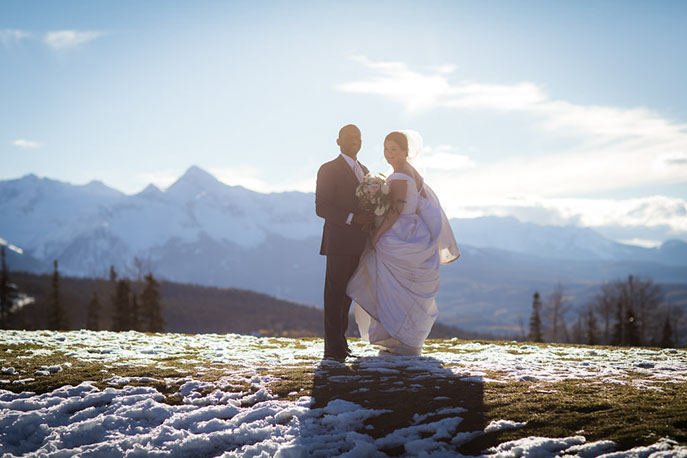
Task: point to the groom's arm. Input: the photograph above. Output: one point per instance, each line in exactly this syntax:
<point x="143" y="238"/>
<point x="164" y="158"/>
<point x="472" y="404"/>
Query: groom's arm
<point x="325" y="193"/>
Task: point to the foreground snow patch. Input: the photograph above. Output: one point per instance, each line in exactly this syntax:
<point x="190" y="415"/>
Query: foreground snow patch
<point x="134" y="422"/>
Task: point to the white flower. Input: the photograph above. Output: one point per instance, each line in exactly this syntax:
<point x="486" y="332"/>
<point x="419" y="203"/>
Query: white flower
<point x="385" y="189"/>
<point x="379" y="211"/>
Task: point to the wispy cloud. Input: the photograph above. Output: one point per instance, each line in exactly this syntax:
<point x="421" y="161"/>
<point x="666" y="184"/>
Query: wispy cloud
<point x="433" y="87"/>
<point x="26" y="144"/>
<point x="61" y="39"/>
<point x="616" y="147"/>
<point x="444" y="157"/>
<point x="10" y="37"/>
<point x="395" y="80"/>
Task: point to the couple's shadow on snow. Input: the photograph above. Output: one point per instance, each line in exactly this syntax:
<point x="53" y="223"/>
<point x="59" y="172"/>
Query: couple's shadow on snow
<point x="414" y="389"/>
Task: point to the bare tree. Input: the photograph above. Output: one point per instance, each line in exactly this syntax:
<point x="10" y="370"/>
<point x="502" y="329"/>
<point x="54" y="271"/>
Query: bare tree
<point x="136" y="271"/>
<point x="605" y="303"/>
<point x="557" y="306"/>
<point x="590" y="322"/>
<point x="675" y="318"/>
<point x="647" y="298"/>
<point x="578" y="329"/>
<point x="631" y="311"/>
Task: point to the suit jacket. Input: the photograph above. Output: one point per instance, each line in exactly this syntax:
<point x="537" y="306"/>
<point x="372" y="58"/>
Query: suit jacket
<point x="335" y="199"/>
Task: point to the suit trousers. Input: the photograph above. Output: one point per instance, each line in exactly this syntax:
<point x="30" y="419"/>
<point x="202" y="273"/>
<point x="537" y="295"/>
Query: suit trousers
<point x="340" y="269"/>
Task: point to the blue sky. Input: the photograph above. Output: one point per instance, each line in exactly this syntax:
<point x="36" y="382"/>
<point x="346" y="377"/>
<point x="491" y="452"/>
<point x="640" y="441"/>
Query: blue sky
<point x="554" y="112"/>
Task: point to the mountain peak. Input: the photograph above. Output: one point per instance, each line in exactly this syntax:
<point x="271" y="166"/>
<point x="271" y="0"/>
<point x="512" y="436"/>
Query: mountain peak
<point x="30" y="178"/>
<point x="195" y="180"/>
<point x="100" y="188"/>
<point x="96" y="185"/>
<point x="151" y="191"/>
<point x="151" y="188"/>
<point x="197" y="175"/>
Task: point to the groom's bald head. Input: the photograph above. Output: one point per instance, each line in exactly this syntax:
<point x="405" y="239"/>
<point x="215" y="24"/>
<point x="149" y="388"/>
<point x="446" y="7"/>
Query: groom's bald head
<point x="349" y="140"/>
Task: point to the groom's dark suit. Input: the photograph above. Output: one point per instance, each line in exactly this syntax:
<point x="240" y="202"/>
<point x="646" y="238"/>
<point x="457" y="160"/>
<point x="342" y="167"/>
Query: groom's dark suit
<point x="342" y="243"/>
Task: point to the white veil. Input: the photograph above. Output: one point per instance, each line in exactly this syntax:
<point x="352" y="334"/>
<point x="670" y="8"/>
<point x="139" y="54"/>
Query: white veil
<point x="446" y="242"/>
<point x="415" y="148"/>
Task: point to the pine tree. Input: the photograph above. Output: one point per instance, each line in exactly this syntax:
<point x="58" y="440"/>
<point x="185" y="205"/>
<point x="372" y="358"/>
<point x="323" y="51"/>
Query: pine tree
<point x="5" y="304"/>
<point x="667" y="339"/>
<point x="535" y="319"/>
<point x="121" y="317"/>
<point x="152" y="307"/>
<point x="93" y="317"/>
<point x="113" y="298"/>
<point x="135" y="315"/>
<point x="57" y="320"/>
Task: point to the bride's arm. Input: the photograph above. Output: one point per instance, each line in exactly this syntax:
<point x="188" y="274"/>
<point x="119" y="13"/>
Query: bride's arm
<point x="399" y="188"/>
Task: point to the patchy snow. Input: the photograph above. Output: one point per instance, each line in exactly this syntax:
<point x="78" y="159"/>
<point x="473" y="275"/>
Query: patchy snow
<point x="238" y="415"/>
<point x="498" y="425"/>
<point x="469" y="360"/>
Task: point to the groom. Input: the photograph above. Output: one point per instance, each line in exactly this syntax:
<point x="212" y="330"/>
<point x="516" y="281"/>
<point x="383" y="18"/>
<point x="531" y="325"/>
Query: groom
<point x="343" y="238"/>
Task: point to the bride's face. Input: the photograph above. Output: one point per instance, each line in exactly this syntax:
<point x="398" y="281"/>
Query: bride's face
<point x="393" y="153"/>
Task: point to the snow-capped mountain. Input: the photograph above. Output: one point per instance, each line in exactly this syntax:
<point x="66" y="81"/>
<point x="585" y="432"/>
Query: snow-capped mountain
<point x="90" y="227"/>
<point x="202" y="231"/>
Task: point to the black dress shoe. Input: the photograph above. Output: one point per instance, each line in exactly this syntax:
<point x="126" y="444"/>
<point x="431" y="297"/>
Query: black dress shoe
<point x="338" y="359"/>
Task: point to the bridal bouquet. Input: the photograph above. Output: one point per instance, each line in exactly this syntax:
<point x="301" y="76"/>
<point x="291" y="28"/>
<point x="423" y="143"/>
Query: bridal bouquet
<point x="374" y="195"/>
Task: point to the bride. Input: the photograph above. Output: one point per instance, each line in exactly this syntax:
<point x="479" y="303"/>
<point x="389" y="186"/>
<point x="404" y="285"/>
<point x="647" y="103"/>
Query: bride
<point x="395" y="285"/>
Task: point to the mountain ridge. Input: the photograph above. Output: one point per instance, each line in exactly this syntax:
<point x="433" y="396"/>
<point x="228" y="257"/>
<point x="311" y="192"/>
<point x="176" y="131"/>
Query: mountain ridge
<point x="204" y="231"/>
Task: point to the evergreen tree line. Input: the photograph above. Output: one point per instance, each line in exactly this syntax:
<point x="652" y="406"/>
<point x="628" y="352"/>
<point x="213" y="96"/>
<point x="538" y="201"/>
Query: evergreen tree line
<point x="629" y="312"/>
<point x="135" y="305"/>
<point x="11" y="298"/>
<point x="8" y="292"/>
<point x="131" y="310"/>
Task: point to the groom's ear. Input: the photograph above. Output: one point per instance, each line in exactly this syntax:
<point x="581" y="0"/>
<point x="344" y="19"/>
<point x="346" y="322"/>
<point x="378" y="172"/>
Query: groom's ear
<point x="338" y="142"/>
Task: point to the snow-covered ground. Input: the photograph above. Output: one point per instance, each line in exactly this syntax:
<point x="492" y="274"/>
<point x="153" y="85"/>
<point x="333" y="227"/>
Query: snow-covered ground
<point x="215" y="418"/>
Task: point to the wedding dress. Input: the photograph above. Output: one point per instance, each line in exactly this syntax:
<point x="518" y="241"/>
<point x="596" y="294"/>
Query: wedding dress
<point x="396" y="283"/>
